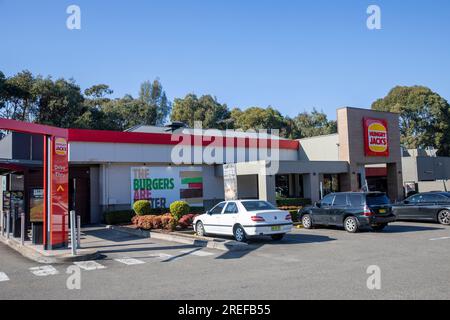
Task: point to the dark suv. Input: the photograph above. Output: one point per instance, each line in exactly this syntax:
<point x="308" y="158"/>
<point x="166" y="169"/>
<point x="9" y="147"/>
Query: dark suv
<point x="351" y="210"/>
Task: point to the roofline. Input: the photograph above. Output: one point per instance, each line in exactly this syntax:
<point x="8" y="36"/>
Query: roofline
<point x="99" y="136"/>
<point x="379" y="111"/>
<point x="103" y="136"/>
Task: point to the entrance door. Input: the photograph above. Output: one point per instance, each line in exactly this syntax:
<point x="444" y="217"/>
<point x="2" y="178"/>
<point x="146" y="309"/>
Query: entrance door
<point x="79" y="192"/>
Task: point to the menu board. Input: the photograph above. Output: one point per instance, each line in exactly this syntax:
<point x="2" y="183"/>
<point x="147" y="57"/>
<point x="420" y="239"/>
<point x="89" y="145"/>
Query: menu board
<point x="37" y="205"/>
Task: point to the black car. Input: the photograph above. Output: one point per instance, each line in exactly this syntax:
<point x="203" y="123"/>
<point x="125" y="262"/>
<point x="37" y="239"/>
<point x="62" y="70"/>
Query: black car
<point x="351" y="210"/>
<point x="429" y="206"/>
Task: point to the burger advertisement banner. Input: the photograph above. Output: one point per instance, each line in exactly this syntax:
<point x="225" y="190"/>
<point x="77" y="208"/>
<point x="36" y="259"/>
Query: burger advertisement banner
<point x="376" y="138"/>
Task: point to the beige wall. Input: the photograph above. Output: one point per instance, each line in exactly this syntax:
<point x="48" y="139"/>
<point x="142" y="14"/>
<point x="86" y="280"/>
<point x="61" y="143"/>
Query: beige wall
<point x="322" y="148"/>
<point x="351" y="148"/>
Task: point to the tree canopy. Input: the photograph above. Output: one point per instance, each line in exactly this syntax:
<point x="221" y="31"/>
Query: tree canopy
<point x="205" y="109"/>
<point x="61" y="103"/>
<point x="424" y="117"/>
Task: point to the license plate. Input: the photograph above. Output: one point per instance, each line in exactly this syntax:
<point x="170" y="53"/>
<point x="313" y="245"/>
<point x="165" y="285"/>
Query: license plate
<point x="382" y="210"/>
<point x="277" y="228"/>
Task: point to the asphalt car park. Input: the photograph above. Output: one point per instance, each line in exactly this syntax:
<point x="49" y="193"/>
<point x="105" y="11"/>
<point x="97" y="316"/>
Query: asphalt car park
<point x="324" y="263"/>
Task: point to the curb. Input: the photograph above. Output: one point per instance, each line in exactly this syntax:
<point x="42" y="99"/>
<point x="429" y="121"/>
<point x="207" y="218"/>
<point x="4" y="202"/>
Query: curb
<point x="211" y="243"/>
<point x="48" y="258"/>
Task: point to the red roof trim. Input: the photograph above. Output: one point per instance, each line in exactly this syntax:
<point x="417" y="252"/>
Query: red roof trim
<point x="99" y="136"/>
<point x="33" y="128"/>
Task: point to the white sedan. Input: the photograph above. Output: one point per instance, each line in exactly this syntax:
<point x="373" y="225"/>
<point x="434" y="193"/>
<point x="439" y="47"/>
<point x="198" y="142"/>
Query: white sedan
<point x="243" y="219"/>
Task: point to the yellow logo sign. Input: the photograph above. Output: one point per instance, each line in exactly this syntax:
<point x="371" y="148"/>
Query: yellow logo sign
<point x="378" y="138"/>
<point x="61" y="146"/>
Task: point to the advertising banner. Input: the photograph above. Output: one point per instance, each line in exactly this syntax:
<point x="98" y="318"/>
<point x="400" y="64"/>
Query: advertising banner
<point x="376" y="138"/>
<point x="164" y="185"/>
<point x="230" y="182"/>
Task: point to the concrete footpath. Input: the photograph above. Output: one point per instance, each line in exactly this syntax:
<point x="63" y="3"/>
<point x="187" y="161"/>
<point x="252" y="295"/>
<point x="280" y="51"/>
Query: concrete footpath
<point x="38" y="254"/>
<point x="185" y="238"/>
<point x="97" y="239"/>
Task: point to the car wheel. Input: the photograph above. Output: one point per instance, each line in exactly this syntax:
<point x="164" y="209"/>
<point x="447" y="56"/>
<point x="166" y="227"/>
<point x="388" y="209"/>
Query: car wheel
<point x="351" y="225"/>
<point x="307" y="221"/>
<point x="239" y="234"/>
<point x="200" y="229"/>
<point x="379" y="227"/>
<point x="277" y="237"/>
<point x="444" y="217"/>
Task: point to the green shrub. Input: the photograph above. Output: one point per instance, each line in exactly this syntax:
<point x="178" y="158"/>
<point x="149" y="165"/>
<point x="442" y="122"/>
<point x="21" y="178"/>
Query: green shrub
<point x="293" y="202"/>
<point x="118" y="217"/>
<point x="178" y="209"/>
<point x="142" y="207"/>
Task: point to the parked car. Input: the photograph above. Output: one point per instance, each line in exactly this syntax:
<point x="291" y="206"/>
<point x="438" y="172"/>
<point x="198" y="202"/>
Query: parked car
<point x="243" y="219"/>
<point x="351" y="210"/>
<point x="431" y="206"/>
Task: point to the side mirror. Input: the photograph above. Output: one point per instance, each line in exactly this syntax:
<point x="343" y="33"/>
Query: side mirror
<point x="318" y="204"/>
<point x="406" y="202"/>
<point x="208" y="212"/>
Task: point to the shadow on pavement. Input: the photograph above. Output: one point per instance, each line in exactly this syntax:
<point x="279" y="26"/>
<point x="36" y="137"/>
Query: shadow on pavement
<point x="258" y="242"/>
<point x="107" y="234"/>
<point x="393" y="228"/>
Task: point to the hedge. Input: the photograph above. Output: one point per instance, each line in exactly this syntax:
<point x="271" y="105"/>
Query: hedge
<point x="178" y="209"/>
<point x="293" y="202"/>
<point x="118" y="217"/>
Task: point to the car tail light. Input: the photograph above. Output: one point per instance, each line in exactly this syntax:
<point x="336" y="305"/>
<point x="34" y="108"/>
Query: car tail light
<point x="288" y="217"/>
<point x="368" y="212"/>
<point x="258" y="219"/>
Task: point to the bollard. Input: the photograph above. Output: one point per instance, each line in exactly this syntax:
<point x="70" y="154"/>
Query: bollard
<point x="72" y="233"/>
<point x="8" y="224"/>
<point x="78" y="232"/>
<point x="3" y="223"/>
<point x="22" y="228"/>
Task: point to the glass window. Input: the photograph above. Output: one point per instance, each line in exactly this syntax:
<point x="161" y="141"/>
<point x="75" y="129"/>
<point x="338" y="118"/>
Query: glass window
<point x="340" y="200"/>
<point x="375" y="199"/>
<point x="231" y="208"/>
<point x="415" y="198"/>
<point x="218" y="209"/>
<point x="257" y="205"/>
<point x="356" y="200"/>
<point x="330" y="183"/>
<point x="433" y="198"/>
<point x="327" y="201"/>
<point x="282" y="186"/>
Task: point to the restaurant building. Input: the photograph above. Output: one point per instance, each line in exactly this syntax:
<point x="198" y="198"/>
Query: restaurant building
<point x="108" y="171"/>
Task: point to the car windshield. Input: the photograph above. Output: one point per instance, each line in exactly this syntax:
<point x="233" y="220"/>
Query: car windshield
<point x="257" y="205"/>
<point x="377" y="199"/>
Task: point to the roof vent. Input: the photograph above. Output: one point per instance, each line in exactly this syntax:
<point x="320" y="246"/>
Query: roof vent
<point x="176" y="125"/>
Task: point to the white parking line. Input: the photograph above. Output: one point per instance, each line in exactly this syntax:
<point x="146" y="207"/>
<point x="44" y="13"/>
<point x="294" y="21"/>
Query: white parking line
<point x="198" y="253"/>
<point x="161" y="256"/>
<point x="89" y="265"/>
<point x="442" y="238"/>
<point x="3" y="277"/>
<point x="130" y="261"/>
<point x="44" y="271"/>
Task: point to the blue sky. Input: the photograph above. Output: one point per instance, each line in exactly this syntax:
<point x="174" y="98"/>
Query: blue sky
<point x="293" y="55"/>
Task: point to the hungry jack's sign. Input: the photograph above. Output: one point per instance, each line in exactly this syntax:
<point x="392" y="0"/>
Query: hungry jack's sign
<point x="376" y="137"/>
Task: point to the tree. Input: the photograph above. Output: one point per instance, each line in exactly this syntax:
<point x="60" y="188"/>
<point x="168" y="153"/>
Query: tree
<point x="312" y="124"/>
<point x="155" y="97"/>
<point x="206" y="109"/>
<point x="424" y="117"/>
<point x="59" y="103"/>
<point x="18" y="101"/>
<point x="257" y="118"/>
